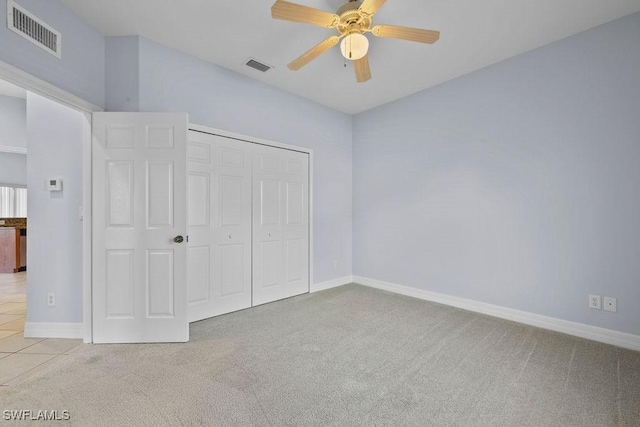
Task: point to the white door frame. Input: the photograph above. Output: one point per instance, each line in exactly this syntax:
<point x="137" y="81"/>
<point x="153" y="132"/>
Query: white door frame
<point x="254" y="140"/>
<point x="33" y="84"/>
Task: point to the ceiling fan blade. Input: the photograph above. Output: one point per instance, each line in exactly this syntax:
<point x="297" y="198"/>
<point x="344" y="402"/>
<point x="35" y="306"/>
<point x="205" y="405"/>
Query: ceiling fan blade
<point x="406" y="33"/>
<point x="313" y="53"/>
<point x="369" y="7"/>
<point x="294" y="12"/>
<point x="361" y="67"/>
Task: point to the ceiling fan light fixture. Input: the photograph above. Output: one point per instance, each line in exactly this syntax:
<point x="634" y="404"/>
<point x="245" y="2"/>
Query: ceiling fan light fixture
<point x="352" y="21"/>
<point x="354" y="46"/>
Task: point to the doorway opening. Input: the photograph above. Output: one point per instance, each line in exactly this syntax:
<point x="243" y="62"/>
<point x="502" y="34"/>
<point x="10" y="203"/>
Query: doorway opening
<point x="41" y="230"/>
<point x="13" y="209"/>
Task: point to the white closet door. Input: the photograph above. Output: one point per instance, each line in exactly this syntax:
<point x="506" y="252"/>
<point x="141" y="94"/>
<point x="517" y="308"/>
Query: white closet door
<point x="219" y="219"/>
<point x="280" y="224"/>
<point x="296" y="223"/>
<point x="139" y="260"/>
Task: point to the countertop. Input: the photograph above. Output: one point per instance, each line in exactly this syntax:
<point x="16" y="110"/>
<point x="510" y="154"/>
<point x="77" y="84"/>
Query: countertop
<point x="19" y="223"/>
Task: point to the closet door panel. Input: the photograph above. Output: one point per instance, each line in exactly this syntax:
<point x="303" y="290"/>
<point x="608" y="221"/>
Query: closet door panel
<point x="219" y="206"/>
<point x="267" y="225"/>
<point x="296" y="223"/>
<point x="280" y="224"/>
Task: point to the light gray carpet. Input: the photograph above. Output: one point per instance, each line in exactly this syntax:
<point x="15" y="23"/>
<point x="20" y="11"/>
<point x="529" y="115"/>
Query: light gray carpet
<point x="350" y="356"/>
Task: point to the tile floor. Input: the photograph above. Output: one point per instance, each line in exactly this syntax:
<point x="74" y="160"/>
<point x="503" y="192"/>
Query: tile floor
<point x="21" y="358"/>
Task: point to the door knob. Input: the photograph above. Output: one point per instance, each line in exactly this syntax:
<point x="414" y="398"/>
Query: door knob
<point x="178" y="239"/>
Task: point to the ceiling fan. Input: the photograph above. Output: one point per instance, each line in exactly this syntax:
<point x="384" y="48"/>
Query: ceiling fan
<point x="352" y="20"/>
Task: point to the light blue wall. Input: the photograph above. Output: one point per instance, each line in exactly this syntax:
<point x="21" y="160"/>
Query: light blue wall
<point x="55" y="231"/>
<point x="13" y="134"/>
<point x="82" y="67"/>
<point x="13" y="169"/>
<point x="219" y="98"/>
<point x="13" y="122"/>
<point x="122" y="73"/>
<point x="516" y="185"/>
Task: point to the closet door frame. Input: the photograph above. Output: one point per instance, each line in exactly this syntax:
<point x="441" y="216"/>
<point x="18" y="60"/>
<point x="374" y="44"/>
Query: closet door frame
<point x="254" y="140"/>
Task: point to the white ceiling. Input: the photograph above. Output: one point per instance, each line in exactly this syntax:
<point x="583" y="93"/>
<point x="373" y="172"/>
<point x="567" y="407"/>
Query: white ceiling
<point x="8" y="89"/>
<point x="474" y="34"/>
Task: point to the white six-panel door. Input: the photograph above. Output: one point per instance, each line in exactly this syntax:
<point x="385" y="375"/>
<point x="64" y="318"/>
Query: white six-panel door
<point x="280" y="224"/>
<point x="219" y="219"/>
<point x="139" y="210"/>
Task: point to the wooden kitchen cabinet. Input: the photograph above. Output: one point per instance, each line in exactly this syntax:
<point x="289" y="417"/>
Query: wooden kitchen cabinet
<point x="12" y="249"/>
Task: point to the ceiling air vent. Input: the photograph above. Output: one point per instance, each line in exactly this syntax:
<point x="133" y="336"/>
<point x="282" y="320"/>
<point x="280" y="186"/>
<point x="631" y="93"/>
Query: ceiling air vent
<point x="33" y="29"/>
<point x="258" y="65"/>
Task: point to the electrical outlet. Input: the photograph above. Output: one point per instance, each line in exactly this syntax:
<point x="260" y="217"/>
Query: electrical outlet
<point x="51" y="299"/>
<point x="335" y="264"/>
<point x="595" y="302"/>
<point x="610" y="304"/>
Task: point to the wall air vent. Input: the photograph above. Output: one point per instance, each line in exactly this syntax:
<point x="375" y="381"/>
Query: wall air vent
<point x="258" y="65"/>
<point x="33" y="29"/>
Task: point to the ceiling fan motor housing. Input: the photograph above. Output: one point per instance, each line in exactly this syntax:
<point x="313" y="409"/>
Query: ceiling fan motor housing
<point x="350" y="20"/>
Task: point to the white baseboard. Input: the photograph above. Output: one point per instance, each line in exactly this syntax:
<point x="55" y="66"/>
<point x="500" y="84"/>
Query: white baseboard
<point x="608" y="336"/>
<point x="333" y="283"/>
<point x="53" y="330"/>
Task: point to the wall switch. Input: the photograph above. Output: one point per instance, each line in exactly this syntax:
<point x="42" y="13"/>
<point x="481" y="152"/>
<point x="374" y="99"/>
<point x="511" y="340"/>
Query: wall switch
<point x="610" y="304"/>
<point x="335" y="264"/>
<point x="595" y="302"/>
<point x="51" y="299"/>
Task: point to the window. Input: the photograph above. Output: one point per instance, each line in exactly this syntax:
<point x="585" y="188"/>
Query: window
<point x="13" y="202"/>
